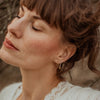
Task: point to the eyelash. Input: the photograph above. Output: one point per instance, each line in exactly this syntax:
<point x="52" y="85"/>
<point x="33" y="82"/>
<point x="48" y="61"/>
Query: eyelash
<point x="32" y="26"/>
<point x="35" y="28"/>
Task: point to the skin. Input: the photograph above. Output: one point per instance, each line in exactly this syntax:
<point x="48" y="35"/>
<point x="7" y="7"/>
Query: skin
<point x="40" y="50"/>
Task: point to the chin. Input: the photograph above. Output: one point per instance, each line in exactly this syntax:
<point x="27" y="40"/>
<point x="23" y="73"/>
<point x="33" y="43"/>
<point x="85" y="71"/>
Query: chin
<point x="8" y="61"/>
<point x="7" y="57"/>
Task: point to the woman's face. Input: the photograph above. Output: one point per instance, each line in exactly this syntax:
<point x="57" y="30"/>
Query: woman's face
<point x="30" y="41"/>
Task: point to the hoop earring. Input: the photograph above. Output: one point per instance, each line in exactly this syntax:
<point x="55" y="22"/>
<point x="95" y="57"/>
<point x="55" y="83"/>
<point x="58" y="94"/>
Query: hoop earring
<point x="61" y="67"/>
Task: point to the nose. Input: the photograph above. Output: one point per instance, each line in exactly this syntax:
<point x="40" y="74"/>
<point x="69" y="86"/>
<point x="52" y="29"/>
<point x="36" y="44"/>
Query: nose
<point x="16" y="28"/>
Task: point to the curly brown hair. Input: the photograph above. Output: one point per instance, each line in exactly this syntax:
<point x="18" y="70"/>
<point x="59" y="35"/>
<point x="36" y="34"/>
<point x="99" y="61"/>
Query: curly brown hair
<point x="79" y="21"/>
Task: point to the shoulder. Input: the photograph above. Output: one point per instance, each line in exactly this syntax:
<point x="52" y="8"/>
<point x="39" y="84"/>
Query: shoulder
<point x="8" y="92"/>
<point x="80" y="93"/>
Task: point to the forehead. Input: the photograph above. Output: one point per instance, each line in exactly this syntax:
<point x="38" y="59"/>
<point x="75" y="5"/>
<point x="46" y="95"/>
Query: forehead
<point x="33" y="12"/>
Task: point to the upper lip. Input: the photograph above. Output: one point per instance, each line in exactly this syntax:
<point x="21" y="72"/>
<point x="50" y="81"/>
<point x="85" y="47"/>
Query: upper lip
<point x="10" y="43"/>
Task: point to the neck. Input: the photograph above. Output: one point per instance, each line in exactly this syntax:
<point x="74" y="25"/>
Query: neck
<point x="38" y="83"/>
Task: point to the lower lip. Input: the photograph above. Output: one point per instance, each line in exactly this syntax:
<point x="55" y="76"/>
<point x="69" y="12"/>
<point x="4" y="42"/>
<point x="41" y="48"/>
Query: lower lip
<point x="9" y="46"/>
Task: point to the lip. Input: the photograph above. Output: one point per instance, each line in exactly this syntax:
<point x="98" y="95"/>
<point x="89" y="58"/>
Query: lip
<point x="8" y="44"/>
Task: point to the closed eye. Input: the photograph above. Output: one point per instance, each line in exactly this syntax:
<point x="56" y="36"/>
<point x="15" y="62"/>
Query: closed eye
<point x="36" y="29"/>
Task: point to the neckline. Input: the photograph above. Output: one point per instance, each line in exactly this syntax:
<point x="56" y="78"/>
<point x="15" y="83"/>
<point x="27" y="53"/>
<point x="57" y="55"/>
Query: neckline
<point x="55" y="89"/>
<point x="58" y="88"/>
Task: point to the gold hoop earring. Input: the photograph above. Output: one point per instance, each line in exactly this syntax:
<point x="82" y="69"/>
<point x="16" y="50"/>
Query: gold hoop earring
<point x="61" y="67"/>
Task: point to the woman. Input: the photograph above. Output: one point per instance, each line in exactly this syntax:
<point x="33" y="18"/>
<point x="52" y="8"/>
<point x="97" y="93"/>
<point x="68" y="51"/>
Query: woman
<point x="44" y="41"/>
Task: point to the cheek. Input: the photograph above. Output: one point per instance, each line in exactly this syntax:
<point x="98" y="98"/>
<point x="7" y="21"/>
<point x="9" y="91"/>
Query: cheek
<point x="43" y="46"/>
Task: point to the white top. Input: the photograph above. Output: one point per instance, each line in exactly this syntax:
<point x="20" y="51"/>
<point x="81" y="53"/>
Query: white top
<point x="63" y="91"/>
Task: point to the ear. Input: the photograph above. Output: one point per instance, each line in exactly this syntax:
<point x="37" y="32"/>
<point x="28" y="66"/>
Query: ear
<point x="65" y="53"/>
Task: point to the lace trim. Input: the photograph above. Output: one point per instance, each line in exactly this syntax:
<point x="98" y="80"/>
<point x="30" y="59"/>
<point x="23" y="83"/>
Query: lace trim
<point x="59" y="90"/>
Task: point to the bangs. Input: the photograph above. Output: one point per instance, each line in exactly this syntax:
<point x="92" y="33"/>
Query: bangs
<point x="49" y="10"/>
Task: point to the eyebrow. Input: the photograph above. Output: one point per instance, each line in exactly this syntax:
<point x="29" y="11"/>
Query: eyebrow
<point x="35" y="17"/>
